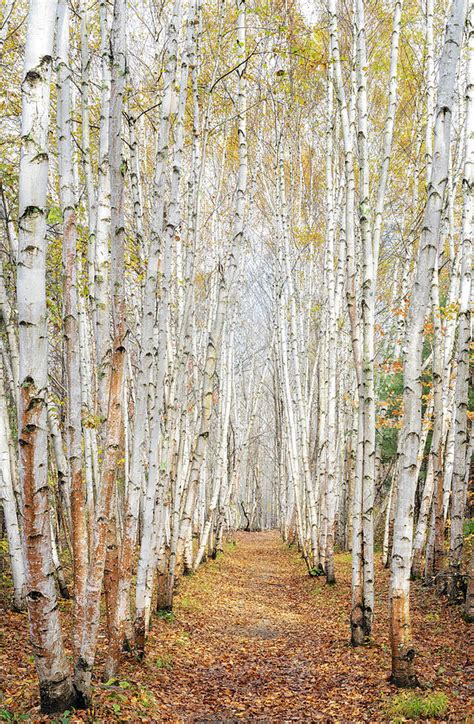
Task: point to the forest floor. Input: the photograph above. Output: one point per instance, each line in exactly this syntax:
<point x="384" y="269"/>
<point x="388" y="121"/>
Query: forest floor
<point x="253" y="638"/>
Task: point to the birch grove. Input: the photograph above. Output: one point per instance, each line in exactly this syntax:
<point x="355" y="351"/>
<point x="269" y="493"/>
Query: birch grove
<point x="235" y="294"/>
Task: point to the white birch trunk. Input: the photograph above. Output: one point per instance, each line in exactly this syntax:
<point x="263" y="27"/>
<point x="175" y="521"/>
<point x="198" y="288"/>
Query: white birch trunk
<point x="403" y="652"/>
<point x="56" y="690"/>
<point x="461" y="460"/>
<point x="8" y="502"/>
<point x="71" y="319"/>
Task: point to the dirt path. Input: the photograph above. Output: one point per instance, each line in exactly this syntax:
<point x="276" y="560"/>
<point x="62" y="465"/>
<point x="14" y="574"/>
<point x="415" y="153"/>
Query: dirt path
<point x="253" y="638"/>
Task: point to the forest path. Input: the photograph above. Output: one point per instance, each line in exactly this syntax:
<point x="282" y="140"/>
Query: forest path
<point x="254" y="641"/>
<point x="254" y="638"/>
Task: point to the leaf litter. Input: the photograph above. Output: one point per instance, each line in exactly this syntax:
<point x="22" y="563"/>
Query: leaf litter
<point x="254" y="638"/>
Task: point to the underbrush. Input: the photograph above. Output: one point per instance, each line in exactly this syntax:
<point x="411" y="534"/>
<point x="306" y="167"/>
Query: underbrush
<point x="411" y="705"/>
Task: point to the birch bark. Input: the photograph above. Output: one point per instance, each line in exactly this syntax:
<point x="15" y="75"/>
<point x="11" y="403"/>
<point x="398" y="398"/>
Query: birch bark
<point x="8" y="502"/>
<point x="113" y="434"/>
<point x="403" y="652"/>
<point x="463" y="376"/>
<point x="71" y="321"/>
<point x="56" y="689"/>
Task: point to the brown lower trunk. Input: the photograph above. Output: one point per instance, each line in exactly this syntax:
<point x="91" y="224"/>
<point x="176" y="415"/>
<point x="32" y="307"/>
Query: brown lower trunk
<point x="361" y="622"/>
<point x="83" y="684"/>
<point x="292" y="535"/>
<point x="219" y="537"/>
<point x="329" y="565"/>
<point x="170" y="581"/>
<point x="58" y="696"/>
<point x="403" y="651"/>
<point x="111" y="576"/>
<point x="429" y="554"/>
<point x="455" y="585"/>
<point x="162" y="598"/>
<point x="139" y="635"/>
<point x="439" y="548"/>
<point x="416" y="565"/>
<point x="85" y="660"/>
<point x="330" y="574"/>
<point x="360" y="625"/>
<point x="55" y="684"/>
<point x="469" y="610"/>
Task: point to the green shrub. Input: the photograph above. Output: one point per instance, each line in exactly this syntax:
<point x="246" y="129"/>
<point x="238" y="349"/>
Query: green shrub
<point x="166" y="615"/>
<point x="8" y="716"/>
<point x="410" y="705"/>
<point x="468" y="527"/>
<point x="186" y="602"/>
<point x="164" y="662"/>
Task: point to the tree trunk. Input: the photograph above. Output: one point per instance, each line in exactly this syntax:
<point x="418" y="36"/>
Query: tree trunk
<point x="8" y="502"/>
<point x="114" y="428"/>
<point x="56" y="689"/>
<point x="71" y="321"/>
<point x="461" y="461"/>
<point x="403" y="651"/>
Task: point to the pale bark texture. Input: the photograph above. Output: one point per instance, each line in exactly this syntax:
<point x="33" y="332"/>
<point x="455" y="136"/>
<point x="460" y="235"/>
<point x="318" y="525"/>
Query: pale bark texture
<point x="8" y="502"/>
<point x="56" y="689"/>
<point x="461" y="461"/>
<point x="71" y="319"/>
<point x="403" y="651"/>
<point x="113" y="433"/>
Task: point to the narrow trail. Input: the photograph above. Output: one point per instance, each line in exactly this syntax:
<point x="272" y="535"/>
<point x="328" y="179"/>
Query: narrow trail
<point x="253" y="638"/>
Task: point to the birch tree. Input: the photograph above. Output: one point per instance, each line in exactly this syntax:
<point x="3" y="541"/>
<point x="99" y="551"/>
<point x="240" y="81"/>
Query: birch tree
<point x="71" y="316"/>
<point x="461" y="431"/>
<point x="56" y="689"/>
<point x="403" y="652"/>
<point x="112" y="444"/>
